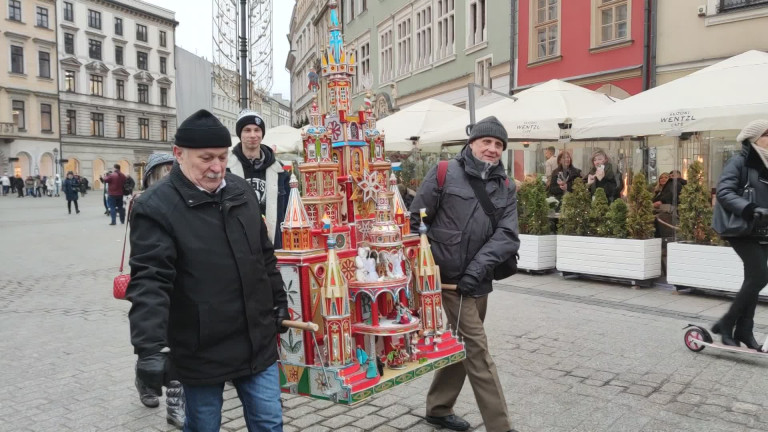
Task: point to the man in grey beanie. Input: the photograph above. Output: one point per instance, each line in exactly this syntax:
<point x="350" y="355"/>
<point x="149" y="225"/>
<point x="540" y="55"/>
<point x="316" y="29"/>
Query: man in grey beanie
<point x="468" y="245"/>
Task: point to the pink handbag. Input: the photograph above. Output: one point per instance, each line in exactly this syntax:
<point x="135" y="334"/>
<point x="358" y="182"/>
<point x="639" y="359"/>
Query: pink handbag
<point x="120" y="284"/>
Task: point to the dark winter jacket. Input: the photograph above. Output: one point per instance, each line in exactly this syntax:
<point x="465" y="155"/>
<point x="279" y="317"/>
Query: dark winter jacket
<point x="608" y="183"/>
<point x="746" y="166"/>
<point x="667" y="193"/>
<point x="203" y="280"/>
<point x="257" y="173"/>
<point x="115" y="183"/>
<point x="71" y="189"/>
<point x="461" y="234"/>
<point x="554" y="188"/>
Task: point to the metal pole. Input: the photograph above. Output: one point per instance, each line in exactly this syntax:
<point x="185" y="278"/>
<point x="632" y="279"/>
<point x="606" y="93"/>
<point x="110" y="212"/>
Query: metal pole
<point x="243" y="54"/>
<point x="471" y="107"/>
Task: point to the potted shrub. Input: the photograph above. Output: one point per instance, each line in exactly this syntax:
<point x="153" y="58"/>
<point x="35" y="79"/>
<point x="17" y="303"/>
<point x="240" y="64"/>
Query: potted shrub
<point x="699" y="258"/>
<point x="538" y="246"/>
<point x="592" y="235"/>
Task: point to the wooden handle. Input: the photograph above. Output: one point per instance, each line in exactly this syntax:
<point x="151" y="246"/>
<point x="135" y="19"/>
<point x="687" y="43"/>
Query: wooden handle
<point x="301" y="325"/>
<point x="449" y="287"/>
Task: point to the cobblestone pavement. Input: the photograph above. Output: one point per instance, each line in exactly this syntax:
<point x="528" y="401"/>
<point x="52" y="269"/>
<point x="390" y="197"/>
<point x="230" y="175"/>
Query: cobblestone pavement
<point x="573" y="355"/>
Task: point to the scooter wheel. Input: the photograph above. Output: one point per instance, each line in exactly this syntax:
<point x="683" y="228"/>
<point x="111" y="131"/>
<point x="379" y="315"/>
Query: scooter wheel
<point x="692" y="336"/>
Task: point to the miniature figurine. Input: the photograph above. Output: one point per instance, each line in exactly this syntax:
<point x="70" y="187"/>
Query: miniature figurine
<point x="370" y="268"/>
<point x="361" y="274"/>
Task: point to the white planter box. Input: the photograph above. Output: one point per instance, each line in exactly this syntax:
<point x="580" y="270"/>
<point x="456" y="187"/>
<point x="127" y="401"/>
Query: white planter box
<point x="537" y="252"/>
<point x="619" y="258"/>
<point x="709" y="267"/>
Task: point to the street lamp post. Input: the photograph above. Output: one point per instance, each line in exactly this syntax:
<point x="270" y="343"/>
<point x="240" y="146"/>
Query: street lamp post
<point x="55" y="161"/>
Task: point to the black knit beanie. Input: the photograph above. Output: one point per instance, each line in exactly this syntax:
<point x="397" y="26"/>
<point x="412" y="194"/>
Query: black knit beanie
<point x="202" y="130"/>
<point x="248" y="117"/>
<point x="489" y="127"/>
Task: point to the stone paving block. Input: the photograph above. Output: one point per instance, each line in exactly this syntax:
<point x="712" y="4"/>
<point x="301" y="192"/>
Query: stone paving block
<point x="405" y="422"/>
<point x="316" y="428"/>
<point x="640" y="390"/>
<point x="745" y="408"/>
<point x="307" y="420"/>
<point x="661" y="398"/>
<point x="672" y="388"/>
<point x="336" y="409"/>
<point x="386" y="428"/>
<point x="349" y="429"/>
<point x="740" y="418"/>
<point x="338" y="421"/>
<point x="690" y="398"/>
<point x="393" y="411"/>
<point x="300" y="411"/>
<point x="582" y="372"/>
<point x="321" y="404"/>
<point x="362" y="411"/>
<point x="292" y="403"/>
<point x="369" y="422"/>
<point x="710" y="410"/>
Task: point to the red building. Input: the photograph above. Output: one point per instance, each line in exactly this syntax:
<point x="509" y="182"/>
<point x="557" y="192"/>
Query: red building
<point x="598" y="44"/>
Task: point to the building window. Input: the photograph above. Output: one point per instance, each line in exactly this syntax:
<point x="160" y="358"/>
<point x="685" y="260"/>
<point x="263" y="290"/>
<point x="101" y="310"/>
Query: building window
<point x="613" y="20"/>
<point x="483" y="74"/>
<point x="45" y="64"/>
<point x="69" y="12"/>
<point x="119" y="55"/>
<point x="424" y="37"/>
<point x="97" y="124"/>
<point x="163" y="65"/>
<point x="94" y="49"/>
<point x="18" y="114"/>
<point x="42" y="17"/>
<point x="141" y="32"/>
<point x="144" y="128"/>
<point x="445" y="28"/>
<point x="476" y="32"/>
<point x="69" y="81"/>
<point x="97" y="85"/>
<point x="141" y="60"/>
<point x="69" y="43"/>
<point x="404" y="46"/>
<point x="364" y="66"/>
<point x="143" y="93"/>
<point x="71" y="122"/>
<point x="46" y="119"/>
<point x="163" y="96"/>
<point x="14" y="10"/>
<point x="387" y="56"/>
<point x="121" y="126"/>
<point x="120" y="89"/>
<point x="119" y="26"/>
<point x="546" y="29"/>
<point x="164" y="130"/>
<point x="163" y="39"/>
<point x="17" y="59"/>
<point x="94" y="19"/>
<point x="737" y="4"/>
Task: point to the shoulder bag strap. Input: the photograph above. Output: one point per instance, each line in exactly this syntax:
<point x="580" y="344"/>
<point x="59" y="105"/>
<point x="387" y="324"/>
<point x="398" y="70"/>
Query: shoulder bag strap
<point x="125" y="236"/>
<point x="485" y="201"/>
<point x="442" y="170"/>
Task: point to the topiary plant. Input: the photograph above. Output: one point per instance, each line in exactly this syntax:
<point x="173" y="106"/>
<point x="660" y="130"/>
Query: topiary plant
<point x="597" y="215"/>
<point x="574" y="214"/>
<point x="616" y="219"/>
<point x="640" y="216"/>
<point x="533" y="208"/>
<point x="695" y="209"/>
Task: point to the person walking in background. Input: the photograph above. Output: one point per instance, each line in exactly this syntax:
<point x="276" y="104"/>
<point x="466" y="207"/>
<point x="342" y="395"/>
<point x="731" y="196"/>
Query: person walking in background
<point x="551" y="164"/>
<point x="71" y="191"/>
<point x="737" y="324"/>
<point x="5" y="181"/>
<point x="57" y="184"/>
<point x="468" y="245"/>
<point x="29" y="183"/>
<point x="19" y="186"/>
<point x="49" y="186"/>
<point x="83" y="185"/>
<point x="116" y="183"/>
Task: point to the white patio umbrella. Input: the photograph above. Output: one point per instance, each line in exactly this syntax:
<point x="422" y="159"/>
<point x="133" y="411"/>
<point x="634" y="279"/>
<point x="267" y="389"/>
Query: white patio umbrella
<point x="417" y="120"/>
<point x="536" y="112"/>
<point x="726" y="95"/>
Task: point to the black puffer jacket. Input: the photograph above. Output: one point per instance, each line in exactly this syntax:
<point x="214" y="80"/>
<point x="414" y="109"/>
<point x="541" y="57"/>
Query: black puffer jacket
<point x="741" y="168"/>
<point x="461" y="234"/>
<point x="203" y="279"/>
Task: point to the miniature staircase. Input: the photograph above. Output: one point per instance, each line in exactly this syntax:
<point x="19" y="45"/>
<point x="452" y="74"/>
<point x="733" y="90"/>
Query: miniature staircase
<point x="449" y="345"/>
<point x="354" y="376"/>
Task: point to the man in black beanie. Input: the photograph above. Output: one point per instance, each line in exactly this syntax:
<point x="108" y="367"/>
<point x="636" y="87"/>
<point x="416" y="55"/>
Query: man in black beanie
<point x="257" y="164"/>
<point x="205" y="290"/>
<point x="450" y="194"/>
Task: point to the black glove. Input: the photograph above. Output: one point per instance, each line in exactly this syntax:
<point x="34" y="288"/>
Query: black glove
<point x="151" y="370"/>
<point x="760" y="215"/>
<point x="467" y="285"/>
<point x="281" y="314"/>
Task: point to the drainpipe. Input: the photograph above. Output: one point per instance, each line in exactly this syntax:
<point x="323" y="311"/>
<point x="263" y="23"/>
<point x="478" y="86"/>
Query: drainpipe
<point x="654" y="33"/>
<point x="512" y="46"/>
<point x="646" y="43"/>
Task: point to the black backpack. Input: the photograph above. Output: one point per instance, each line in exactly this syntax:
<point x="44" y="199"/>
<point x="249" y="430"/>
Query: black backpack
<point x="128" y="186"/>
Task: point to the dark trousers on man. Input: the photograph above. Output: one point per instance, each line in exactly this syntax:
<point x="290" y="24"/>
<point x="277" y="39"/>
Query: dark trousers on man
<point x="755" y="257"/>
<point x="115" y="207"/>
<point x="478" y="366"/>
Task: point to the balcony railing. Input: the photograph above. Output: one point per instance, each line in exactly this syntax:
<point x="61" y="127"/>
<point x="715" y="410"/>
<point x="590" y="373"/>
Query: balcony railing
<point x="8" y="129"/>
<point x="726" y="5"/>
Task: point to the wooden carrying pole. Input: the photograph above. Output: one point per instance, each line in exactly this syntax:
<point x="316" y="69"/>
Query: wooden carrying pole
<point x="301" y="325"/>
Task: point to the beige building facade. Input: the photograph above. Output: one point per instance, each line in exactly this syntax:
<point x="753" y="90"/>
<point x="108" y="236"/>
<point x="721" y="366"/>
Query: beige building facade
<point x="29" y="126"/>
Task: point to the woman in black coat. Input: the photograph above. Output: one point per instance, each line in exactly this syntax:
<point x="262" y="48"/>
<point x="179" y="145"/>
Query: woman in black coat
<point x="601" y="175"/>
<point x="71" y="189"/>
<point x="736" y="325"/>
<point x="563" y="177"/>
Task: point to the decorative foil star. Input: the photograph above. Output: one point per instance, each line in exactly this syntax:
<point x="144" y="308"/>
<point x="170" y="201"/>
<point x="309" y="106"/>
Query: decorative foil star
<point x="369" y="185"/>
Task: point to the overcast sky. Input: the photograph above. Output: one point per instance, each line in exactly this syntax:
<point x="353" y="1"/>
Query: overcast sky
<point x="194" y="33"/>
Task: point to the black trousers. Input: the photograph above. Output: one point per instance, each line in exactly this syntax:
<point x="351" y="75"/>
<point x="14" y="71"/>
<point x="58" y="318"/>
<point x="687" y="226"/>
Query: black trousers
<point x="755" y="258"/>
<point x="69" y="205"/>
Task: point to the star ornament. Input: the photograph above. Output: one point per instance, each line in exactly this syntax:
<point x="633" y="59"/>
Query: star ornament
<point x="369" y="185"/>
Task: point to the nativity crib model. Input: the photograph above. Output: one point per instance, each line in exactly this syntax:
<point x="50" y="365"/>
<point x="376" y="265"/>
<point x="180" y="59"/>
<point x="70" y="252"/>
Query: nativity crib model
<point x="350" y="263"/>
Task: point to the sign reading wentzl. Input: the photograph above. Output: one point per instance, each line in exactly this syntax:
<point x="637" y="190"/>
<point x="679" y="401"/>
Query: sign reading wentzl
<point x="678" y="119"/>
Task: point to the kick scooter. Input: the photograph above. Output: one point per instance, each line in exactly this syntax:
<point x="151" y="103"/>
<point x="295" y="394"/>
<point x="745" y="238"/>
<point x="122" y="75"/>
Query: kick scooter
<point x="697" y="338"/>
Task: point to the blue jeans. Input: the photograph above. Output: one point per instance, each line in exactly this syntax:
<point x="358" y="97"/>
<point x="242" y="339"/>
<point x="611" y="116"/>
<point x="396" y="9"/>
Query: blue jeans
<point x="116" y="206"/>
<point x="259" y="394"/>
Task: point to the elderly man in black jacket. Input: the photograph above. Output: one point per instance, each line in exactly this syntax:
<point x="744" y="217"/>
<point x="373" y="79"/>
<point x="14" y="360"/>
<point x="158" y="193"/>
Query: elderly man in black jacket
<point x="207" y="296"/>
<point x="468" y="246"/>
